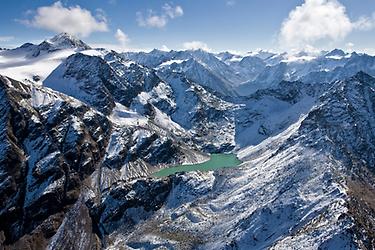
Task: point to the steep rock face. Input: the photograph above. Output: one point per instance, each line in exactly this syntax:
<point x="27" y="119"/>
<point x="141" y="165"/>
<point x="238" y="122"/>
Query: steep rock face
<point x="58" y="154"/>
<point x="344" y="125"/>
<point x="344" y="121"/>
<point x="128" y="202"/>
<point x="85" y="78"/>
<point x="134" y="78"/>
<point x="98" y="83"/>
<point x="13" y="165"/>
<point x="207" y="119"/>
<point x="59" y="146"/>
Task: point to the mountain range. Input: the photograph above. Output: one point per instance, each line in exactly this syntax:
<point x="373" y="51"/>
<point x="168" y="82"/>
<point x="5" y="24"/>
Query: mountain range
<point x="83" y="130"/>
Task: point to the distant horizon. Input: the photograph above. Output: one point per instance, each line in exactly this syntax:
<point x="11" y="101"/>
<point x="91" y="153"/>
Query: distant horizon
<point x="237" y="53"/>
<point x="213" y="25"/>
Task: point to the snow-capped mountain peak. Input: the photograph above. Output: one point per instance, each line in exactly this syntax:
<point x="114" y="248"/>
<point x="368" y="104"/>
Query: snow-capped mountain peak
<point x="34" y="62"/>
<point x="67" y="41"/>
<point x="336" y="52"/>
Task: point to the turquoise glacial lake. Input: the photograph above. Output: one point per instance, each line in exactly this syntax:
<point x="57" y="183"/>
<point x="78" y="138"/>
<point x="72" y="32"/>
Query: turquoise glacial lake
<point x="216" y="161"/>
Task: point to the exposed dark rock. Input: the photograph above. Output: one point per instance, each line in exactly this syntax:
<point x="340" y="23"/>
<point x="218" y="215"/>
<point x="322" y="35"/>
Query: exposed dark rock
<point x="43" y="161"/>
<point x="115" y="209"/>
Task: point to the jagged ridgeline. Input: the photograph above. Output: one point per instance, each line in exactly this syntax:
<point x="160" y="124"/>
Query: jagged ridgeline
<point x="84" y="130"/>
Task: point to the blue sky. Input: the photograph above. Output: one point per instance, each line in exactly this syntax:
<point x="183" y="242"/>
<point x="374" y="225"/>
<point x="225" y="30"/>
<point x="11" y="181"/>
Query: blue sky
<point x="217" y="25"/>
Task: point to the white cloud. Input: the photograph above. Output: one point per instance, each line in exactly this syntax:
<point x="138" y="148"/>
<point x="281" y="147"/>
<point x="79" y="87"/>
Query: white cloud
<point x="194" y="45"/>
<point x="74" y="20"/>
<point x="121" y="37"/>
<point x="6" y="38"/>
<point x="173" y="12"/>
<point x="317" y="20"/>
<point x="154" y="20"/>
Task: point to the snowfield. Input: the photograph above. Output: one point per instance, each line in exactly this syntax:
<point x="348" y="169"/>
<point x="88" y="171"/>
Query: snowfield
<point x="19" y="67"/>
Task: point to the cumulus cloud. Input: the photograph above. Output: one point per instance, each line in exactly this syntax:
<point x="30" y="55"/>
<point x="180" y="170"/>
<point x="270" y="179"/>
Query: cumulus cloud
<point x="74" y="20"/>
<point x="194" y="45"/>
<point x="6" y="38"/>
<point x="173" y="12"/>
<point x="159" y="20"/>
<point x="121" y="37"/>
<point x="317" y="20"/>
<point x="152" y="21"/>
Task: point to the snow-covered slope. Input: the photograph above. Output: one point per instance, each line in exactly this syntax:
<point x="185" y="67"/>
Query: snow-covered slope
<point x="20" y="67"/>
<point x="35" y="62"/>
<point x="270" y="111"/>
<point x="299" y="189"/>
